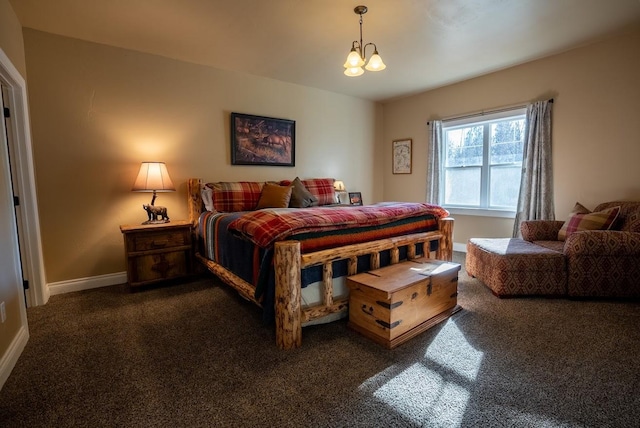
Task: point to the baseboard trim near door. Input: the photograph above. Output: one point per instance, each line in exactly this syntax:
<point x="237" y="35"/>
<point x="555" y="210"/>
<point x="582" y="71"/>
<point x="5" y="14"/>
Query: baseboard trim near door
<point x="10" y="358"/>
<point x="80" y="284"/>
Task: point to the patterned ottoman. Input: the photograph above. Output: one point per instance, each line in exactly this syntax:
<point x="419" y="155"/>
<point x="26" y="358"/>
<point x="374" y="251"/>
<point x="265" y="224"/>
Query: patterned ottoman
<point x="515" y="267"/>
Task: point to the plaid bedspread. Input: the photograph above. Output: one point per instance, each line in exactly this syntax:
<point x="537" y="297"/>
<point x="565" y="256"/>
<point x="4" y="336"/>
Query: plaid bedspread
<point x="265" y="227"/>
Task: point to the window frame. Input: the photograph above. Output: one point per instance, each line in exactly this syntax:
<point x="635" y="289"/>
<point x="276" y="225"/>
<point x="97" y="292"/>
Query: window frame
<point x="485" y="119"/>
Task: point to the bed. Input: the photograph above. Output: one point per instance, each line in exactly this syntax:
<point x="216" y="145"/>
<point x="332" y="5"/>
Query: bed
<point x="287" y="255"/>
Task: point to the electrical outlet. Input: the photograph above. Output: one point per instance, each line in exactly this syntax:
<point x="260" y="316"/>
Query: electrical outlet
<point x="3" y="312"/>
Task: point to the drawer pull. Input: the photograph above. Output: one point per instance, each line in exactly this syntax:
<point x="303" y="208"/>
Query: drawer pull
<point x="387" y="325"/>
<point x="389" y="305"/>
<point x="368" y="311"/>
<point x="162" y="267"/>
<point x="159" y="244"/>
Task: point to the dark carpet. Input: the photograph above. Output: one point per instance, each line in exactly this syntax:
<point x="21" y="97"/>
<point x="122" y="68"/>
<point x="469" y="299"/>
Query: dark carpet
<point x="196" y="355"/>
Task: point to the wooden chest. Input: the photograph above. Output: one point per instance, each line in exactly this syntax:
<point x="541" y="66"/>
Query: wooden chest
<point x="395" y="303"/>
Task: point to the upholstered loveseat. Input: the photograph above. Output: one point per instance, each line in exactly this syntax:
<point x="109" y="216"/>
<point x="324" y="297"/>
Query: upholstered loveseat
<point x="588" y="263"/>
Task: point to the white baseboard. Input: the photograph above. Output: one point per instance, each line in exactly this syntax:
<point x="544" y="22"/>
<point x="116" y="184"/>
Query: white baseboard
<point x="10" y="358"/>
<point x="461" y="247"/>
<point x="87" y="283"/>
<point x="121" y="277"/>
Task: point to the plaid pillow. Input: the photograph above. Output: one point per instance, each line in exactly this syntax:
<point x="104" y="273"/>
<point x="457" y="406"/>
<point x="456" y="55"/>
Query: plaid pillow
<point x="577" y="221"/>
<point x="235" y="196"/>
<point x="321" y="188"/>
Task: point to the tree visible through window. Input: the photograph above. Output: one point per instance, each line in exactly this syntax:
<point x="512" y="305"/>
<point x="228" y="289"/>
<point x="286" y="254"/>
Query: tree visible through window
<point x="483" y="161"/>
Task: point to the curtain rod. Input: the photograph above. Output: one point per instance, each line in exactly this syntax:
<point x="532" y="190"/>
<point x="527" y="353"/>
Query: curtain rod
<point x="482" y="113"/>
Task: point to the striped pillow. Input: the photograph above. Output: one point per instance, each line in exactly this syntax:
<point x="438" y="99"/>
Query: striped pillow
<point x="577" y="221"/>
<point x="235" y="196"/>
<point x="321" y="188"/>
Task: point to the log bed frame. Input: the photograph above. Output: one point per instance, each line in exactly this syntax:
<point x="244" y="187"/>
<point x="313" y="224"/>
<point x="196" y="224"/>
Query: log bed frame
<point x="290" y="316"/>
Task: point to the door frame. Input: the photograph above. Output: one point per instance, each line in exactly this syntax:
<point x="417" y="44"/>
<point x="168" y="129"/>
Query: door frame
<point x="24" y="183"/>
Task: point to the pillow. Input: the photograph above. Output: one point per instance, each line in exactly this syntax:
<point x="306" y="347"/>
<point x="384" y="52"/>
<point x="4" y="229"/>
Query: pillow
<point x="235" y="196"/>
<point x="583" y="219"/>
<point x="274" y="196"/>
<point x="321" y="188"/>
<point x="633" y="223"/>
<point x="300" y="196"/>
<point x="206" y="193"/>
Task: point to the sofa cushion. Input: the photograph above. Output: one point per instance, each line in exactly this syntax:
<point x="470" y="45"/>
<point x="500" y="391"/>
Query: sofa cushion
<point x="579" y="220"/>
<point x="515" y="267"/>
<point x="552" y="245"/>
<point x="632" y="223"/>
<point x="629" y="217"/>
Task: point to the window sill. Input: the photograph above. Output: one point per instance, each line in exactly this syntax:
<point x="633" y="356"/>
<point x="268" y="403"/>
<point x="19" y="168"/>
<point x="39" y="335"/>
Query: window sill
<point x="481" y="212"/>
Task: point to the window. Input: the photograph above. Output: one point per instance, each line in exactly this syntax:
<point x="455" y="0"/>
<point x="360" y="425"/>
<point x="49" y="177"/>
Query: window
<point x="483" y="161"/>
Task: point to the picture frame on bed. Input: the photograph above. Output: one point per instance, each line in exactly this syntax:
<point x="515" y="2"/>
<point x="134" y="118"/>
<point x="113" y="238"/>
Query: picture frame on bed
<point x="355" y="198"/>
<point x="260" y="140"/>
<point x="402" y="156"/>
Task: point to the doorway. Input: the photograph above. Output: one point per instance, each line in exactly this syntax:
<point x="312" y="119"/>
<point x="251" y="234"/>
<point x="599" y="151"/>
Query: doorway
<point x="6" y="109"/>
<point x="14" y="95"/>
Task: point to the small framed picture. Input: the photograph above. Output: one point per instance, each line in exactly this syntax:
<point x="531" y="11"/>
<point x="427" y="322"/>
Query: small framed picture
<point x="355" y="198"/>
<point x="402" y="156"/>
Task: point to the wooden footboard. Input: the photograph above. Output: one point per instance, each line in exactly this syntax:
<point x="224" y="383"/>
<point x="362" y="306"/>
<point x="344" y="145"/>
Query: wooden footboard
<point x="290" y="317"/>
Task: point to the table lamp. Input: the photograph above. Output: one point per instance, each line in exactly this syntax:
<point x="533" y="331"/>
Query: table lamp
<point x="341" y="194"/>
<point x="154" y="177"/>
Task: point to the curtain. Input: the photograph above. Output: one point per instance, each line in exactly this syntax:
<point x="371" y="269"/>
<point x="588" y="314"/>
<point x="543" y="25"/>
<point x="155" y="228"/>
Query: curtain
<point x="434" y="156"/>
<point x="535" y="200"/>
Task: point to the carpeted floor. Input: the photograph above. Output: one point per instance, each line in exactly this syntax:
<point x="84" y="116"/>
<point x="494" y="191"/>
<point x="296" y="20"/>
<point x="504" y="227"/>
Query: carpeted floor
<point x="196" y="355"/>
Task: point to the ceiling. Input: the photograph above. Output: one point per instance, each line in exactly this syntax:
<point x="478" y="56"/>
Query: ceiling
<point x="424" y="43"/>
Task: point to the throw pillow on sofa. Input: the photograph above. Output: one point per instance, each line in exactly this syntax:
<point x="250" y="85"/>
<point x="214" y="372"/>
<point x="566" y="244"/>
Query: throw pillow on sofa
<point x="583" y="219"/>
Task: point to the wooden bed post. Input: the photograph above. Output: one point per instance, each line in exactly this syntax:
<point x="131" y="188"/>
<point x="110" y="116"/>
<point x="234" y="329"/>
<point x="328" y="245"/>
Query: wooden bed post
<point x="288" y="307"/>
<point x="445" y="247"/>
<point x="195" y="200"/>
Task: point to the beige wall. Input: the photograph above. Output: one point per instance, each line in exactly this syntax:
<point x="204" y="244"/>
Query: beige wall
<point x="11" y="37"/>
<point x="596" y="148"/>
<point x="98" y="111"/>
<point x="11" y="44"/>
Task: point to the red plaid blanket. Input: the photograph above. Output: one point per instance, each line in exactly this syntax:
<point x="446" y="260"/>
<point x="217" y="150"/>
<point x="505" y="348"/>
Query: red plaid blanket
<point x="266" y="226"/>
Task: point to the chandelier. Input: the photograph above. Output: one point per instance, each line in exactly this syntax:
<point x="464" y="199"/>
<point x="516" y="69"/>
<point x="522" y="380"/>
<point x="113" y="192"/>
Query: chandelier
<point x="357" y="57"/>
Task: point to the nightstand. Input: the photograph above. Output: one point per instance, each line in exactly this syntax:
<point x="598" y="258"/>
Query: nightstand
<point x="157" y="252"/>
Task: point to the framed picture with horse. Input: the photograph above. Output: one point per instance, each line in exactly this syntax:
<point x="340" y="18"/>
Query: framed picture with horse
<point x="259" y="140"/>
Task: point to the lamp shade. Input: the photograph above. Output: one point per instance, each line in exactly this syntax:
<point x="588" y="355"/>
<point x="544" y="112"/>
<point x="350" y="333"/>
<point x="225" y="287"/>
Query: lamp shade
<point x="354" y="59"/>
<point x="375" y="63"/>
<point x="353" y="71"/>
<point x="153" y="176"/>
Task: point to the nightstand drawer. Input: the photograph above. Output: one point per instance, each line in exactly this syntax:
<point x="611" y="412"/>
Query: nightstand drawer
<point x="157" y="267"/>
<point x="155" y="241"/>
